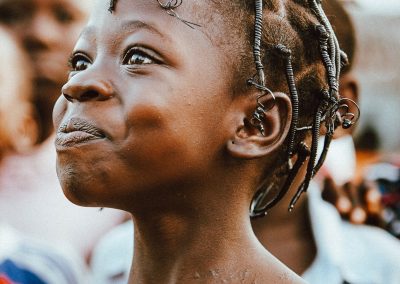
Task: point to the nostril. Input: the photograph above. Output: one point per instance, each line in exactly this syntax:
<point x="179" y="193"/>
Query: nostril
<point x="68" y="97"/>
<point x="34" y="45"/>
<point x="89" y="95"/>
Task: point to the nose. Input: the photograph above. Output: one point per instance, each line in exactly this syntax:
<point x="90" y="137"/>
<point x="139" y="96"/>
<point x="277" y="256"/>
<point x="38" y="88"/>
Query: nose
<point x="88" y="87"/>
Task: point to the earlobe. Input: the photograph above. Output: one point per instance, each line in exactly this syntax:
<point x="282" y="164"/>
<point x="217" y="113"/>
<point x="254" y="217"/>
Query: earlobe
<point x="263" y="126"/>
<point x="348" y="87"/>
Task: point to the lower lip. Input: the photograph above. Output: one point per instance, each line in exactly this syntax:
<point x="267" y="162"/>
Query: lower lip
<point x="74" y="139"/>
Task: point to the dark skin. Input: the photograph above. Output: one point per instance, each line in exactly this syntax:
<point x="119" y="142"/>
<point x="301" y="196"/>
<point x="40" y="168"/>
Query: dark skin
<point x="149" y="124"/>
<point x="47" y="29"/>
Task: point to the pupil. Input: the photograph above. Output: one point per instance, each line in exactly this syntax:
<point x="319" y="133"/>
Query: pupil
<point x="137" y="59"/>
<point x="80" y="65"/>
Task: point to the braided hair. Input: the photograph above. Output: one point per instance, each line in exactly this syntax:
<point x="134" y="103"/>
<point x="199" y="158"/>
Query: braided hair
<point x="294" y="51"/>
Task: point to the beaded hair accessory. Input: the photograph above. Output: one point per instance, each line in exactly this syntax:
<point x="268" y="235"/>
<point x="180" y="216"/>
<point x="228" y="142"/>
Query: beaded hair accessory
<point x="332" y="111"/>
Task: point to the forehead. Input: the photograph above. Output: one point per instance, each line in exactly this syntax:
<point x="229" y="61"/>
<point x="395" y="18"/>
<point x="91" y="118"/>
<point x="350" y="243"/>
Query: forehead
<point x="134" y="8"/>
<point x="132" y="15"/>
<point x="200" y="12"/>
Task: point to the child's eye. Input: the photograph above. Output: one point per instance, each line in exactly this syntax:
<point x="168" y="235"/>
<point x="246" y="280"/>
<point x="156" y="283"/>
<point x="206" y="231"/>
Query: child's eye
<point x="137" y="56"/>
<point x="63" y="15"/>
<point x="79" y="62"/>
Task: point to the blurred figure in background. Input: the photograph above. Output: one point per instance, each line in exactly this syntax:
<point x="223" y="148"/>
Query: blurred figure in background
<point x="30" y="196"/>
<point x="18" y="129"/>
<point x="23" y="259"/>
<point x="378" y="68"/>
<point x="373" y="196"/>
<point x="47" y="30"/>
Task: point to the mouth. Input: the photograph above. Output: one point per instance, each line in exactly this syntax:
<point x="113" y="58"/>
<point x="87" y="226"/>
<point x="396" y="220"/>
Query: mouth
<point x="76" y="132"/>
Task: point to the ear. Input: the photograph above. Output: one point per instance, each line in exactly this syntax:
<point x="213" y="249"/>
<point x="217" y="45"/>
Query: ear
<point x="247" y="141"/>
<point x="348" y="89"/>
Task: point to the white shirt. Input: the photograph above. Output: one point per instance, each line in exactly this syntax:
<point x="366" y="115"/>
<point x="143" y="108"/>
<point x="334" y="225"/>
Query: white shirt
<point x="356" y="254"/>
<point x="32" y="201"/>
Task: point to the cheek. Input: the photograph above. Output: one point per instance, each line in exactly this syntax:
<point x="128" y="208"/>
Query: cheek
<point x="155" y="149"/>
<point x="59" y="111"/>
<point x="165" y="146"/>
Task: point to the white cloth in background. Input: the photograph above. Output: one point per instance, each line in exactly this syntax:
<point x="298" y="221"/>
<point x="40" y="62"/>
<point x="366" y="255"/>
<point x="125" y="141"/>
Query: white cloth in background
<point x="340" y="162"/>
<point x="112" y="257"/>
<point x="357" y="254"/>
<point x="32" y="201"/>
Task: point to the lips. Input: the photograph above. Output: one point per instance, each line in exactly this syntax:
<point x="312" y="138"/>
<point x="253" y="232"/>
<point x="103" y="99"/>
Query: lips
<point x="77" y="131"/>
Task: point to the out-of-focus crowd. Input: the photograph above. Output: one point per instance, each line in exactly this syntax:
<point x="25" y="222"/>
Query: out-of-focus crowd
<point x="46" y="239"/>
<point x="43" y="237"/>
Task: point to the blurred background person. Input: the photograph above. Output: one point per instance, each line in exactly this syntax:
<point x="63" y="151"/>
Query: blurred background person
<point x="24" y="259"/>
<point x="18" y="128"/>
<point x="373" y="197"/>
<point x="47" y="30"/>
<point x="378" y="69"/>
<point x="31" y="199"/>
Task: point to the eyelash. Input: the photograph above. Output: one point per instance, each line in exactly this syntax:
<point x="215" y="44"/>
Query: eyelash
<point x="75" y="58"/>
<point x="140" y="53"/>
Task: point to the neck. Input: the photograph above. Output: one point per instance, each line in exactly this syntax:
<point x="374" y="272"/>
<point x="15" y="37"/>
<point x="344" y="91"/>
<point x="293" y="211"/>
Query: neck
<point x="211" y="242"/>
<point x="297" y="250"/>
<point x="190" y="246"/>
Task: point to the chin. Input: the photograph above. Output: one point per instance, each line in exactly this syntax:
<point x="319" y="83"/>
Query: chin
<point x="87" y="185"/>
<point x="73" y="187"/>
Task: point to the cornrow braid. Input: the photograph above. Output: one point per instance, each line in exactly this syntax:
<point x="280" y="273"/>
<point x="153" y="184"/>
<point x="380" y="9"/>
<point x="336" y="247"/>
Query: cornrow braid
<point x="328" y="112"/>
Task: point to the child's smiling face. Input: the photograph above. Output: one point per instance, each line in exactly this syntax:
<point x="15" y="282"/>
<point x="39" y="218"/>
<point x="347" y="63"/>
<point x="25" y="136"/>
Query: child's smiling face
<point x="146" y="105"/>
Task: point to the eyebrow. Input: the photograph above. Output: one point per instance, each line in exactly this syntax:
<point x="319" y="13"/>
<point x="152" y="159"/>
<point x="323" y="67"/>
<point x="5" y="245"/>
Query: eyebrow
<point x="136" y="25"/>
<point x="128" y="26"/>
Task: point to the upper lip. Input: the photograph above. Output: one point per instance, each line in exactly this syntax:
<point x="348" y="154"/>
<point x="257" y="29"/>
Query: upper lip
<point x="78" y="124"/>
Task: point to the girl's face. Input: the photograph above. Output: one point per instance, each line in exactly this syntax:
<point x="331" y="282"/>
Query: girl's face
<point x="146" y="106"/>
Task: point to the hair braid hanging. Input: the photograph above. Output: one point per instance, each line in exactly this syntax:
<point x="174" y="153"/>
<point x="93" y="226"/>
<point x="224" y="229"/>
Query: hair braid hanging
<point x="332" y="111"/>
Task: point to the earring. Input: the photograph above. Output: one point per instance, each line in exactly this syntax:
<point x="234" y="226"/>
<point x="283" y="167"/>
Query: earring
<point x="348" y="118"/>
<point x="259" y="113"/>
<point x="258" y="116"/>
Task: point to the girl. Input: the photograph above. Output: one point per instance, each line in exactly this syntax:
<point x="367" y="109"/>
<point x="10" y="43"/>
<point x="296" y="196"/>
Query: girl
<point x="180" y="112"/>
<point x="24" y="259"/>
<point x="18" y="130"/>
